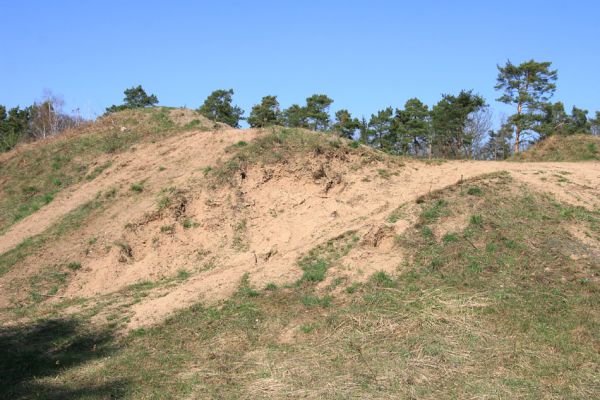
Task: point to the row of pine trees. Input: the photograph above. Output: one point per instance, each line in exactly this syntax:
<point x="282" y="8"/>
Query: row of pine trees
<point x="457" y="126"/>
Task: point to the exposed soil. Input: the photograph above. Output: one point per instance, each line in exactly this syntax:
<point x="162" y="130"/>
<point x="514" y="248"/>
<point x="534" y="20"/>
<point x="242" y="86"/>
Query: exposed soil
<point x="260" y="227"/>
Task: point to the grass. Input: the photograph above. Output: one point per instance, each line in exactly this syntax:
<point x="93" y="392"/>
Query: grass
<point x="74" y="265"/>
<point x="497" y="309"/>
<point x="239" y="241"/>
<point x="493" y="319"/>
<point x="68" y="223"/>
<point x="382" y="279"/>
<point x="315" y="264"/>
<point x="34" y="175"/>
<point x="435" y="210"/>
<point x="563" y="148"/>
<point x="278" y="145"/>
<point x="397" y="214"/>
<point x="474" y="191"/>
<point x="188" y="223"/>
<point x="137" y="187"/>
<point x="168" y="229"/>
<point x="98" y="170"/>
<point x="384" y="173"/>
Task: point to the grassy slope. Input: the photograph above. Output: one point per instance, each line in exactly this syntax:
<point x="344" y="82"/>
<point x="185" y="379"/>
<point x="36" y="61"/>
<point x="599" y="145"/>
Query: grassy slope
<point x="564" y="148"/>
<point x="506" y="307"/>
<point x="34" y="175"/>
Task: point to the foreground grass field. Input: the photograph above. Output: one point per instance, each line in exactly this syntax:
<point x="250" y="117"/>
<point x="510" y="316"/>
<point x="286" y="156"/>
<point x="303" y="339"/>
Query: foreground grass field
<point x="503" y="304"/>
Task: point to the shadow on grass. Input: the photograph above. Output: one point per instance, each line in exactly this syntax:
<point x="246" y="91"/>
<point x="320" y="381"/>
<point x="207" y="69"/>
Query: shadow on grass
<point x="31" y="354"/>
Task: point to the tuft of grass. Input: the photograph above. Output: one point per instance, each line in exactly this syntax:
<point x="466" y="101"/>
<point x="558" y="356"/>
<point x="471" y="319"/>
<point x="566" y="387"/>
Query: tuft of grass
<point x="474" y="191"/>
<point x="74" y="265"/>
<point x="307" y="328"/>
<point x="384" y="173"/>
<point x="396" y="215"/>
<point x="450" y="238"/>
<point x="434" y="211"/>
<point x="239" y="242"/>
<point x="382" y="279"/>
<point x="168" y="229"/>
<point x="314" y="270"/>
<point x="311" y="300"/>
<point x="137" y="187"/>
<point x="476" y="219"/>
<point x="125" y="248"/>
<point x="245" y="289"/>
<point x="182" y="274"/>
<point x="166" y="197"/>
<point x="188" y="223"/>
<point x="319" y="259"/>
<point x="98" y="170"/>
<point x="353" y="288"/>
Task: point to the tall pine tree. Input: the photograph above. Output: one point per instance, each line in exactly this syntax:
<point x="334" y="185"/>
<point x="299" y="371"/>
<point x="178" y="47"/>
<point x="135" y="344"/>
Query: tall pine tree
<point x="528" y="87"/>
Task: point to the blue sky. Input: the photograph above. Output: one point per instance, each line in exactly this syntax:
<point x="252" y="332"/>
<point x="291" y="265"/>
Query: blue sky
<point x="366" y="55"/>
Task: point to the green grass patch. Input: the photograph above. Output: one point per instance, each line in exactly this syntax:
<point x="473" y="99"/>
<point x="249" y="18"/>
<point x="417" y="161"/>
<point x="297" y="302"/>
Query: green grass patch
<point x="68" y="223"/>
<point x="318" y="260"/>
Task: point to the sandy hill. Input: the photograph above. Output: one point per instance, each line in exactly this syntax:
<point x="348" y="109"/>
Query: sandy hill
<point x="160" y="215"/>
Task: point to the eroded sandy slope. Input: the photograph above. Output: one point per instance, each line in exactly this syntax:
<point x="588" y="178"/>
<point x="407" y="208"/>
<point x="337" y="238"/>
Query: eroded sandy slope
<point x="260" y="226"/>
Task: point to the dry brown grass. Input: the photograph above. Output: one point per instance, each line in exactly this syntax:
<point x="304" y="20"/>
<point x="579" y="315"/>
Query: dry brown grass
<point x="564" y="148"/>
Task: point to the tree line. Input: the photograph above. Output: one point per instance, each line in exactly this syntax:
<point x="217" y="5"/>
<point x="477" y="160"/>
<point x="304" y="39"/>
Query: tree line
<point x="457" y="126"/>
<point x="38" y="121"/>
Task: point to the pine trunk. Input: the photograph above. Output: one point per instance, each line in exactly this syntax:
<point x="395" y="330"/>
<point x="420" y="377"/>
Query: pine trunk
<point x="518" y="129"/>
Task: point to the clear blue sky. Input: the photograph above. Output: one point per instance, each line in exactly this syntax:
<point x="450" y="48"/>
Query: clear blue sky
<point x="365" y="55"/>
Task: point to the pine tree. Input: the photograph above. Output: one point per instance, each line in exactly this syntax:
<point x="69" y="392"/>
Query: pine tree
<point x="345" y="124"/>
<point x="498" y="144"/>
<point x="14" y="126"/>
<point x="317" y="112"/>
<point x="449" y="120"/>
<point x="218" y="108"/>
<point x="295" y="117"/>
<point x="413" y="126"/>
<point x="527" y="86"/>
<point x="265" y="114"/>
<point x="380" y="132"/>
<point x="363" y="131"/>
<point x="578" y="122"/>
<point x="595" y="124"/>
<point x="135" y="97"/>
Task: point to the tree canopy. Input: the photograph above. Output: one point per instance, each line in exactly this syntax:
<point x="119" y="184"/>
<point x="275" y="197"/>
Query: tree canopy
<point x="527" y="86"/>
<point x="265" y="114"/>
<point x="218" y="107"/>
<point x="457" y="126"/>
<point x="317" y="112"/>
<point x="135" y="97"/>
<point x="450" y="117"/>
<point x="345" y="125"/>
